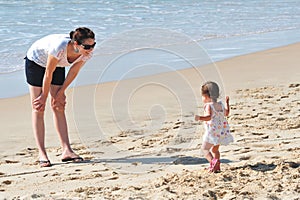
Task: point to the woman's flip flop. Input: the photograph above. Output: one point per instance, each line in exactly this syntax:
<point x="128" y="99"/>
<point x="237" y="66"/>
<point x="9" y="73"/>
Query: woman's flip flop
<point x="70" y="159"/>
<point x="45" y="163"/>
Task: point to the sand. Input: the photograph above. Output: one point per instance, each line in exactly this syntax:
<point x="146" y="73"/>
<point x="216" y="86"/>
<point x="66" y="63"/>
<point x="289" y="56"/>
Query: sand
<point x="140" y="141"/>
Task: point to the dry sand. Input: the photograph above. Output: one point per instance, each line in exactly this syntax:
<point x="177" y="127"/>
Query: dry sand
<point x="140" y="141"/>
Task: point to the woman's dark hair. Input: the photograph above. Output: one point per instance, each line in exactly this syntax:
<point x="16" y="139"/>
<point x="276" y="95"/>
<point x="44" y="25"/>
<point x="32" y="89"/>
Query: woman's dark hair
<point x="211" y="89"/>
<point x="80" y="34"/>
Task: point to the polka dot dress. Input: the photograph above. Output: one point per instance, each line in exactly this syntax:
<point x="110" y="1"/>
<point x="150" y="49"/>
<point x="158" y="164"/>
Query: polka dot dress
<point x="217" y="130"/>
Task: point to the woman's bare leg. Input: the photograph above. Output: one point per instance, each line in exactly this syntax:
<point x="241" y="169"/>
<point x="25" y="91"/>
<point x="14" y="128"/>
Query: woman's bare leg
<point x="61" y="126"/>
<point x="38" y="124"/>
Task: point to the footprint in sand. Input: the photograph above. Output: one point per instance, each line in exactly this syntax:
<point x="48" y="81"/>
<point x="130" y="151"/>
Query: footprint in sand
<point x="280" y="119"/>
<point x="293" y="164"/>
<point x="294" y="85"/>
<point x="275" y="157"/>
<point x="20" y="154"/>
<point x="227" y="177"/>
<point x="113" y="178"/>
<point x="27" y="152"/>
<point x="56" y="174"/>
<point x="11" y="161"/>
<point x="164" y="130"/>
<point x="245" y="158"/>
<point x="210" y="194"/>
<point x="263" y="167"/>
<point x="178" y="124"/>
<point x="284" y="97"/>
<point x="7" y="182"/>
<point x="255" y="133"/>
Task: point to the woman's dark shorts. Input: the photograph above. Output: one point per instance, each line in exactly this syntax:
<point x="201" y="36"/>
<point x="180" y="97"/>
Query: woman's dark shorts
<point x="35" y="74"/>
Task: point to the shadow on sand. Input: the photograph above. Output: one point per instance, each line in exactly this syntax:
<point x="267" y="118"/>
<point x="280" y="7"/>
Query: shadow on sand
<point x="184" y="160"/>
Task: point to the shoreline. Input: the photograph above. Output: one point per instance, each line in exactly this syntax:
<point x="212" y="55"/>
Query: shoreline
<point x="139" y="138"/>
<point x="17" y="80"/>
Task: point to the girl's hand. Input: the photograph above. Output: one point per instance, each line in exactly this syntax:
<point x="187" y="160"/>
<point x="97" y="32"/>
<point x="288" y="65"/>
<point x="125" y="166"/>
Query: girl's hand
<point x="227" y="107"/>
<point x="227" y="100"/>
<point x="197" y="117"/>
<point x="39" y="103"/>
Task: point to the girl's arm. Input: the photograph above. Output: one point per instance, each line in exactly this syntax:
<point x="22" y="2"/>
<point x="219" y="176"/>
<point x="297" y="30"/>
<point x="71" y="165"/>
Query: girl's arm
<point x="227" y="107"/>
<point x="207" y="114"/>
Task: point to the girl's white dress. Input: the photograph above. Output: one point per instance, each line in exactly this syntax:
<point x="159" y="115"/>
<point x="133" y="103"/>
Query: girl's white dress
<point x="217" y="130"/>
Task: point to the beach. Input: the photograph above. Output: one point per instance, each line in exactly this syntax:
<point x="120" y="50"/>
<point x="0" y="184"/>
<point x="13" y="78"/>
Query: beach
<point x="140" y="141"/>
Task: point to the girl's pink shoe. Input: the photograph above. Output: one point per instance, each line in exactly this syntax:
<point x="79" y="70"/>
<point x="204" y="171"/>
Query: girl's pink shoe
<point x="214" y="165"/>
<point x="218" y="166"/>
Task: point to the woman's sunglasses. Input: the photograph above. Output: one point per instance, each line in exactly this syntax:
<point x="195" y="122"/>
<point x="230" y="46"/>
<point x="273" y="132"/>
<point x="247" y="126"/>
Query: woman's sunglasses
<point x="87" y="46"/>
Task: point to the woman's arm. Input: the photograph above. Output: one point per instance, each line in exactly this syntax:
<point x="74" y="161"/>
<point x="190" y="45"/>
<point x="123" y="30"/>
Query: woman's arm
<point x="60" y="97"/>
<point x="40" y="102"/>
<point x="50" y="68"/>
<point x="73" y="72"/>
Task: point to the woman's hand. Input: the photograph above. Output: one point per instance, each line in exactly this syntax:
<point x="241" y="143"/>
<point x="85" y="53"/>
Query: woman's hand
<point x="39" y="103"/>
<point x="59" y="101"/>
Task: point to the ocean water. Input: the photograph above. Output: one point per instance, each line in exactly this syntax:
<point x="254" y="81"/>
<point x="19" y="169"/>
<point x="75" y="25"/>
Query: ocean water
<point x="134" y="37"/>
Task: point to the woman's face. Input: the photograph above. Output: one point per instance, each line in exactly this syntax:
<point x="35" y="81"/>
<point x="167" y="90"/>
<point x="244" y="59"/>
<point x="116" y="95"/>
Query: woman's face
<point x="87" y="46"/>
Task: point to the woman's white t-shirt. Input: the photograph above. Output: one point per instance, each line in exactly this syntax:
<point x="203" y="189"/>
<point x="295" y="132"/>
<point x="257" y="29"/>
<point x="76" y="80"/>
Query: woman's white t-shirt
<point x="55" y="45"/>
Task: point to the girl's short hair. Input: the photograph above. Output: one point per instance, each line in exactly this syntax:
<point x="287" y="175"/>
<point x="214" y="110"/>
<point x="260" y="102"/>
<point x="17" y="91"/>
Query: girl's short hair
<point x="80" y="34"/>
<point x="211" y="89"/>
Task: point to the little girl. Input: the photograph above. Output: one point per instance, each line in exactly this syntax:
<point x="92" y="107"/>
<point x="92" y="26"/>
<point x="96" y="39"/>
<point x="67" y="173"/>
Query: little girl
<point x="215" y="124"/>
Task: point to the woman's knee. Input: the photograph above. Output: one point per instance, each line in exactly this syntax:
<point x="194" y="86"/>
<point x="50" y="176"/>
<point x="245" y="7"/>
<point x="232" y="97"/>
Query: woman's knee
<point x="58" y="108"/>
<point x="38" y="113"/>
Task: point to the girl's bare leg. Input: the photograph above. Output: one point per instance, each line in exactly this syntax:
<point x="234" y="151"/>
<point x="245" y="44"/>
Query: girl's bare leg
<point x="215" y="152"/>
<point x="206" y="151"/>
<point x="212" y="154"/>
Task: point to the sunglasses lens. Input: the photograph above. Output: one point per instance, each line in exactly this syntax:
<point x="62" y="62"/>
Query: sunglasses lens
<point x="87" y="46"/>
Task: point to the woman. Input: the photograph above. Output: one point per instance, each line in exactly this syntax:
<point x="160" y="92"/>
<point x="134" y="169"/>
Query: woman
<point x="45" y="73"/>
